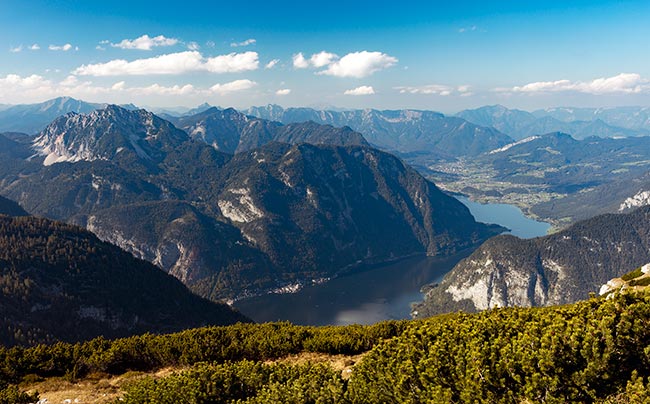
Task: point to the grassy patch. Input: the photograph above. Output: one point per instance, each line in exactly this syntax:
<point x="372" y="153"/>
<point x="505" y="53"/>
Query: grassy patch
<point x="632" y="275"/>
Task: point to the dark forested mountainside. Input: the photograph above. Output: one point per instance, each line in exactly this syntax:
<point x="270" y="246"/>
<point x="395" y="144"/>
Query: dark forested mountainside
<point x="560" y="268"/>
<point x="60" y="282"/>
<point x="11" y="208"/>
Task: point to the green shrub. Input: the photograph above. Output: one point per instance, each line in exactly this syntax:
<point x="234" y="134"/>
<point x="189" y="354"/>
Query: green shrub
<point x="632" y="275"/>
<point x="640" y="282"/>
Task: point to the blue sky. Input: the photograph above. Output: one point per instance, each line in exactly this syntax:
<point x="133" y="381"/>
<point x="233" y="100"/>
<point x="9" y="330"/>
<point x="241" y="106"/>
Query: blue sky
<point x="443" y="56"/>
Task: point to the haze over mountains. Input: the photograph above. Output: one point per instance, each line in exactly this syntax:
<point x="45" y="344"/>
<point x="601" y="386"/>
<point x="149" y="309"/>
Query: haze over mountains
<point x="579" y="122"/>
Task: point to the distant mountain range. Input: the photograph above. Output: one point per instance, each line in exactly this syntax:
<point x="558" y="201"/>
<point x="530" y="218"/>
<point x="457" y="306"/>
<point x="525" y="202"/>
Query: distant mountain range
<point x="402" y="131"/>
<point x="61" y="283"/>
<point x="231" y="131"/>
<point x="557" y="269"/>
<point x="32" y="118"/>
<point x="581" y="123"/>
<point x="230" y="226"/>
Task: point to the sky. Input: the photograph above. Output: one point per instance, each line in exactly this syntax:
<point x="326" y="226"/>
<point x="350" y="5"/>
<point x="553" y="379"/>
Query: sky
<point x="443" y="56"/>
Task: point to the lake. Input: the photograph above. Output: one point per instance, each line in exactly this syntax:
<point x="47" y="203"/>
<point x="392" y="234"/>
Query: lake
<point x="381" y="292"/>
<point x="506" y="215"/>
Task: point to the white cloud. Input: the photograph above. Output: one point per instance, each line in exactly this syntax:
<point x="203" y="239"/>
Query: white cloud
<point x="119" y="86"/>
<point x="283" y="91"/>
<point x="359" y="64"/>
<point x="16" y="82"/>
<point x="237" y="85"/>
<point x="99" y="47"/>
<point x="70" y="81"/>
<point x="34" y="47"/>
<point x="624" y="83"/>
<point x="63" y="48"/>
<point x="272" y="64"/>
<point x="232" y="63"/>
<point x="468" y="29"/>
<point x="431" y="89"/>
<point x="14" y="88"/>
<point x="363" y="90"/>
<point x="16" y="49"/>
<point x="299" y="61"/>
<point x="247" y="42"/>
<point x="156" y="89"/>
<point x="193" y="46"/>
<point x="322" y="59"/>
<point x="355" y="64"/>
<point x="145" y="42"/>
<point x="173" y="63"/>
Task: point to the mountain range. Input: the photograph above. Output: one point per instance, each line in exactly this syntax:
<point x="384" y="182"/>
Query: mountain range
<point x="32" y="118"/>
<point x="401" y="131"/>
<point x="557" y="269"/>
<point x="581" y="123"/>
<point x="234" y="225"/>
<point x="230" y="131"/>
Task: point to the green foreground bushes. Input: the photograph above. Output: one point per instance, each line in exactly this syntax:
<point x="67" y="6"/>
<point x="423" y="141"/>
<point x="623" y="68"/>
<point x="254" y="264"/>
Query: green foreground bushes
<point x="596" y="351"/>
<point x="255" y="342"/>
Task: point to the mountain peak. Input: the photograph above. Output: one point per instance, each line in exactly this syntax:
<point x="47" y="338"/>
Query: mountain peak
<point x="103" y="134"/>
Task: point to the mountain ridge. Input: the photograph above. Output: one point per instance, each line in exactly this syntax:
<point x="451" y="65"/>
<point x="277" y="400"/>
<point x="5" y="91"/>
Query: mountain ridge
<point x="556" y="269"/>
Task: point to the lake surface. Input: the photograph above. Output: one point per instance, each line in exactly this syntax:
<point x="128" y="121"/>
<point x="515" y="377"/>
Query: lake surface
<point x="382" y="292"/>
<point x="506" y="215"/>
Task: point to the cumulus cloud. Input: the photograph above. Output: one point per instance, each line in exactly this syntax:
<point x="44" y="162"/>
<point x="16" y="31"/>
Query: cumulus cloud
<point x="247" y="42"/>
<point x="15" y="88"/>
<point x="272" y="64"/>
<point x="63" y="48"/>
<point x="14" y="81"/>
<point x="624" y="83"/>
<point x="299" y="61"/>
<point x="156" y="89"/>
<point x="16" y="49"/>
<point x="322" y="59"/>
<point x="145" y="42"/>
<point x="363" y="90"/>
<point x="237" y="85"/>
<point x="359" y="64"/>
<point x="283" y="91"/>
<point x="173" y="63"/>
<point x="35" y="47"/>
<point x="355" y="64"/>
<point x="431" y="89"/>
